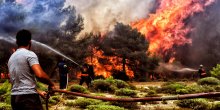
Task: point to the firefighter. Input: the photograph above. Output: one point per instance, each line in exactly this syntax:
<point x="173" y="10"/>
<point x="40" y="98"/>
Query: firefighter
<point x="85" y="75"/>
<point x="91" y="72"/>
<point x="201" y="71"/>
<point x="63" y="72"/>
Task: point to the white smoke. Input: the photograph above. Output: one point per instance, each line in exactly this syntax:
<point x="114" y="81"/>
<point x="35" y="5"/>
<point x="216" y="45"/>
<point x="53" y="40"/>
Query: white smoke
<point x="101" y="15"/>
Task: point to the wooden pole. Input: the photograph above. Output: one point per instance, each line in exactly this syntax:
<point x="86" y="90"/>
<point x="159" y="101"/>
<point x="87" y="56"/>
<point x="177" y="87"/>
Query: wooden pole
<point x="144" y="99"/>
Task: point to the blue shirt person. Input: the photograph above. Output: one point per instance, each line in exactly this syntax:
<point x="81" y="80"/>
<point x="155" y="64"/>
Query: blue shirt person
<point x="63" y="72"/>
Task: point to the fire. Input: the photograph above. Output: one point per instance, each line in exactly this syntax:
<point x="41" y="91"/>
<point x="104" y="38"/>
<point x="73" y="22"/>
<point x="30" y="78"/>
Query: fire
<point x="166" y="27"/>
<point x="105" y="70"/>
<point x="163" y="29"/>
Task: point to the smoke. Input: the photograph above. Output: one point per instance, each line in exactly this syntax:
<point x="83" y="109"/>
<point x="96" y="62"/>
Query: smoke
<point x="205" y="39"/>
<point x="102" y="15"/>
<point x="48" y="20"/>
<point x="39" y="16"/>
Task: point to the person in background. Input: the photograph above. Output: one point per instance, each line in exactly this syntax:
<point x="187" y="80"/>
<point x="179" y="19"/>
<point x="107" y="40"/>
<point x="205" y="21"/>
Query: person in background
<point x="201" y="71"/>
<point x="24" y="68"/>
<point x="63" y="72"/>
<point x="85" y="75"/>
<point x="91" y="72"/>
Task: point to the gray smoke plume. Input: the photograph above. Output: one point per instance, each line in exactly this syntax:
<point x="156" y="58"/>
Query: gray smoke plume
<point x="205" y="39"/>
<point x="48" y="20"/>
<point x="40" y="16"/>
<point x="102" y="15"/>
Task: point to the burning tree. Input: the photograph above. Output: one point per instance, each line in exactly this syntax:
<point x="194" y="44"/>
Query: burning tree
<point x="126" y="51"/>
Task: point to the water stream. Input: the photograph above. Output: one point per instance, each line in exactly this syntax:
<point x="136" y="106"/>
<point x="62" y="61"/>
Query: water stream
<point x="186" y="70"/>
<point x="12" y="41"/>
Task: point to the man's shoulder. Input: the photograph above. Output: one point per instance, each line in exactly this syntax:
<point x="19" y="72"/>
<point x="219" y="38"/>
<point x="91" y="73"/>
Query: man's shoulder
<point x="30" y="53"/>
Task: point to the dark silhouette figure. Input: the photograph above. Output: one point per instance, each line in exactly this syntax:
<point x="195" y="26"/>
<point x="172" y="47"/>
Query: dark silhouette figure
<point x="85" y="77"/>
<point x="63" y="72"/>
<point x="201" y="71"/>
<point x="91" y="72"/>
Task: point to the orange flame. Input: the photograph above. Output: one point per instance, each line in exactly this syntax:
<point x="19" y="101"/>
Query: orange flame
<point x="105" y="70"/>
<point x="163" y="30"/>
<point x="166" y="27"/>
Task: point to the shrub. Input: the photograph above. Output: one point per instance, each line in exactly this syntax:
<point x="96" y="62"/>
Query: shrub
<point x="42" y="86"/>
<point x="54" y="99"/>
<point x="126" y="92"/>
<point x="84" y="102"/>
<point x="6" y="97"/>
<point x="110" y="80"/>
<point x="182" y="91"/>
<point x="215" y="72"/>
<point x="5" y="106"/>
<point x="101" y="85"/>
<point x="195" y="104"/>
<point x="117" y="82"/>
<point x="5" y="92"/>
<point x="171" y="87"/>
<point x="151" y="93"/>
<point x="78" y="88"/>
<point x="110" y="85"/>
<point x="217" y="88"/>
<point x="208" y="81"/>
<point x="121" y="84"/>
<point x="69" y="96"/>
<point x="129" y="105"/>
<point x="69" y="103"/>
<point x="132" y="87"/>
<point x="216" y="106"/>
<point x="104" y="107"/>
<point x="5" y="87"/>
<point x="199" y="89"/>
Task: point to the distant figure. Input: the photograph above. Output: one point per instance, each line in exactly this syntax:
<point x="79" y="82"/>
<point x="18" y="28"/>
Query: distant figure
<point x="63" y="72"/>
<point x="85" y="75"/>
<point x="201" y="71"/>
<point x="152" y="76"/>
<point x="91" y="72"/>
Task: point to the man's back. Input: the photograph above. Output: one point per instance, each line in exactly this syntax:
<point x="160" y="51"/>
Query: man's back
<point x="22" y="79"/>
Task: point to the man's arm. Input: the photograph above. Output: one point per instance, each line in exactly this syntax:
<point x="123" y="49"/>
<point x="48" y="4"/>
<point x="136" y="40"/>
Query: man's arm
<point x="41" y="75"/>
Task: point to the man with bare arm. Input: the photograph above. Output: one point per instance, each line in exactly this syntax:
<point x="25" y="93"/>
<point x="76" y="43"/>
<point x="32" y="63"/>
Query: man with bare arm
<point x="24" y="68"/>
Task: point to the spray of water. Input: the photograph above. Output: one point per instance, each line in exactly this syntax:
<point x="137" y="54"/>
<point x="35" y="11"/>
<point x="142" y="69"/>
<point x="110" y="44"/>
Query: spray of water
<point x="184" y="70"/>
<point x="8" y="39"/>
<point x="54" y="50"/>
<point x="174" y="68"/>
<point x="12" y="41"/>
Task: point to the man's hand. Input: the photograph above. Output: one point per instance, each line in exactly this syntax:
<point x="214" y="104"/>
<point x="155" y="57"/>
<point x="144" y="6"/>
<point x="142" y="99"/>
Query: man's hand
<point x="51" y="88"/>
<point x="43" y="94"/>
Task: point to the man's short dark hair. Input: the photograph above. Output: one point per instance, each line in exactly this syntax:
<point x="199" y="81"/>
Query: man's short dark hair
<point x="23" y="37"/>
